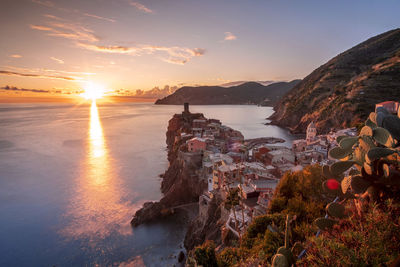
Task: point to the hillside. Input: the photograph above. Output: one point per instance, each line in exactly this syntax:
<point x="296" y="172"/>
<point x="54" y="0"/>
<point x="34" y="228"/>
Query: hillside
<point x="342" y="92"/>
<point x="247" y="93"/>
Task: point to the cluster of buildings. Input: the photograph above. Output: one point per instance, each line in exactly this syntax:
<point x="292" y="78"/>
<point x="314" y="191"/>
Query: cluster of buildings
<point x="230" y="163"/>
<point x="314" y="148"/>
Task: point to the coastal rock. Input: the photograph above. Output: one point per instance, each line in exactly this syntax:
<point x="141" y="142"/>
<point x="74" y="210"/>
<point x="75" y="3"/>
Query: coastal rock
<point x="180" y="183"/>
<point x="181" y="256"/>
<point x="207" y="225"/>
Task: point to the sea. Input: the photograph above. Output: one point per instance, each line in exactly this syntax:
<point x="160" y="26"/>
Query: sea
<point x="72" y="176"/>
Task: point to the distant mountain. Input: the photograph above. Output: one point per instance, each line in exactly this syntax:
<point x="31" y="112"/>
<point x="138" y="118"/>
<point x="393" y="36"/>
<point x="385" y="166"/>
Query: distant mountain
<point x="246" y="93"/>
<point x="236" y="83"/>
<point x="344" y="91"/>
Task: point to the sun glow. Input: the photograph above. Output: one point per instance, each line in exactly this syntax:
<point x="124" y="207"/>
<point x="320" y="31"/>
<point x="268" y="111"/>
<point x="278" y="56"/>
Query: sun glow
<point x="93" y="91"/>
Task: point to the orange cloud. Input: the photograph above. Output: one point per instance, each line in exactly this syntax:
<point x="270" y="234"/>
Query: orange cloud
<point x="141" y="7"/>
<point x="66" y="30"/>
<point x="15" y="56"/>
<point x="230" y="36"/>
<point x="98" y="17"/>
<point x="176" y="55"/>
<point x="57" y="60"/>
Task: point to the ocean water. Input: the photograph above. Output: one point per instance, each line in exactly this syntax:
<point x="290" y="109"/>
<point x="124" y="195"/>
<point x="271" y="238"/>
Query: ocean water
<point x="71" y="177"/>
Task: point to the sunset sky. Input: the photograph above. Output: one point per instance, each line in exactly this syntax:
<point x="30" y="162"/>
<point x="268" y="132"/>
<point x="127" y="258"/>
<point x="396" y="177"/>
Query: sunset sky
<point x="55" y="45"/>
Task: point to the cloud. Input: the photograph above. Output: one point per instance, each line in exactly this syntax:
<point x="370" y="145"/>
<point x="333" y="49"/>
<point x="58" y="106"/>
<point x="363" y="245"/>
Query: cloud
<point x="15" y="56"/>
<point x="40" y="28"/>
<point x="44" y="3"/>
<point x="175" y="54"/>
<point x="12" y="88"/>
<point x="48" y="72"/>
<point x="67" y="30"/>
<point x="68" y="10"/>
<point x="109" y="49"/>
<point x="155" y="92"/>
<point x="86" y="39"/>
<point x="57" y="60"/>
<point x="98" y="17"/>
<point x="141" y="7"/>
<point x="12" y="73"/>
<point x="230" y="36"/>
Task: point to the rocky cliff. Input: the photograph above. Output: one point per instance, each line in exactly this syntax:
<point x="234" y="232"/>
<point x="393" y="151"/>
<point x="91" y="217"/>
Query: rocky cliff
<point x="246" y="93"/>
<point x="180" y="183"/>
<point x="342" y="92"/>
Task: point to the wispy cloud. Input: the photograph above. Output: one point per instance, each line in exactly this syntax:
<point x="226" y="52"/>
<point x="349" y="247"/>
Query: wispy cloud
<point x="50" y="4"/>
<point x="66" y="30"/>
<point x="230" y="36"/>
<point x="15" y="56"/>
<point x="110" y="49"/>
<point x="98" y="17"/>
<point x="77" y="75"/>
<point x="175" y="54"/>
<point x="85" y="38"/>
<point x="60" y="61"/>
<point x="44" y="3"/>
<point x="11" y="73"/>
<point x="141" y="7"/>
<point x="12" y="88"/>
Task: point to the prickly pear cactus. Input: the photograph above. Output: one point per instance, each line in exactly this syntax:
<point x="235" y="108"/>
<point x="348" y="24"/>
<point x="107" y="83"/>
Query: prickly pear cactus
<point x="284" y="256"/>
<point x="368" y="165"/>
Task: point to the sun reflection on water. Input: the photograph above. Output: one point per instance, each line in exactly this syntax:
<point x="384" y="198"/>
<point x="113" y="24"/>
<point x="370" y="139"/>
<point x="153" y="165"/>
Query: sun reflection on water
<point x="97" y="207"/>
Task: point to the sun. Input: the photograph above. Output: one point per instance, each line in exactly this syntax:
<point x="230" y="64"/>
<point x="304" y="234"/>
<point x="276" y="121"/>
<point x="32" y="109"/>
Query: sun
<point x="92" y="91"/>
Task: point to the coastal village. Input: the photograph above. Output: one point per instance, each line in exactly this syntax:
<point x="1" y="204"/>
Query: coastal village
<point x="250" y="169"/>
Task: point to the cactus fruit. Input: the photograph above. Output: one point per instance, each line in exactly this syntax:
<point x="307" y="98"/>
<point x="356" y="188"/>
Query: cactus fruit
<point x="325" y="223"/>
<point x="336" y="210"/>
<point x="339" y="153"/>
<point x="280" y="260"/>
<point x="340" y="167"/>
<point x="383" y="137"/>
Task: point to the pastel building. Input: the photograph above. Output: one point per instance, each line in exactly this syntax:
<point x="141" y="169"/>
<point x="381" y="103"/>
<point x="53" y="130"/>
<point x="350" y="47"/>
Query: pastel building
<point x="196" y="144"/>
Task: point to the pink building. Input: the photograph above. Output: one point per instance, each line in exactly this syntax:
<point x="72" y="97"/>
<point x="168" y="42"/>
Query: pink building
<point x="391" y="106"/>
<point x="196" y="144"/>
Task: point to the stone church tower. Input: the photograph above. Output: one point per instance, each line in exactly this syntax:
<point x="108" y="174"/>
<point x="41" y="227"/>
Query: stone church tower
<point x="311" y="133"/>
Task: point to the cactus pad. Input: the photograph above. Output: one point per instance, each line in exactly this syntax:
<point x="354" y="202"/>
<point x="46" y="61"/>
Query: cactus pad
<point x="339" y="153"/>
<point x="325" y="223"/>
<point x="335" y="210"/>
<point x="340" y="167"/>
<point x="359" y="184"/>
<point x="383" y="137"/>
<point x="280" y="260"/>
